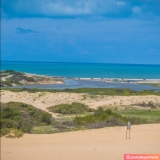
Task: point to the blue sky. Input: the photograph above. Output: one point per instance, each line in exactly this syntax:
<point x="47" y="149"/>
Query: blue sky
<point x="101" y="31"/>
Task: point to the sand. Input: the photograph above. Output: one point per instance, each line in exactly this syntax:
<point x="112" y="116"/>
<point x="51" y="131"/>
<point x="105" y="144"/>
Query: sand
<point x="42" y="100"/>
<point x="97" y="144"/>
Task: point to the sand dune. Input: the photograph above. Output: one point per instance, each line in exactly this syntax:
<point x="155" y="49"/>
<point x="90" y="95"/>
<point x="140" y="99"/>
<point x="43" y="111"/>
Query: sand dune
<point x="98" y="144"/>
<point x="43" y="100"/>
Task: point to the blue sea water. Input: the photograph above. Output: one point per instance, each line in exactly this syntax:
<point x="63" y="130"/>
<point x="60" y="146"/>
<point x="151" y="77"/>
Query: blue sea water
<point x="85" y="70"/>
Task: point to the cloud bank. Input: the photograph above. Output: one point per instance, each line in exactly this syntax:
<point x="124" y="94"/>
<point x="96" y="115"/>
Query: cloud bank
<point x="80" y="8"/>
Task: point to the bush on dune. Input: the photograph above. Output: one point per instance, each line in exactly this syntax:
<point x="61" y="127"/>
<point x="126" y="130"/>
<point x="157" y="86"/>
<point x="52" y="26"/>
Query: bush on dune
<point x="18" y="118"/>
<point x="12" y="133"/>
<point x="73" y="108"/>
<point x="23" y="117"/>
<point x="101" y="118"/>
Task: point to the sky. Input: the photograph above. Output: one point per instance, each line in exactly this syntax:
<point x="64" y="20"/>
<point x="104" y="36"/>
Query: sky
<point x="95" y="31"/>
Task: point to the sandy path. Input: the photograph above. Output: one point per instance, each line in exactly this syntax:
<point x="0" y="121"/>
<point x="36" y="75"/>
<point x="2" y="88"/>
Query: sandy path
<point x="99" y="144"/>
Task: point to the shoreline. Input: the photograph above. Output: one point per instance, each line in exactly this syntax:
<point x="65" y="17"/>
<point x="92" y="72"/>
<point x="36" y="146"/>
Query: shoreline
<point x="122" y="80"/>
<point x="74" y="82"/>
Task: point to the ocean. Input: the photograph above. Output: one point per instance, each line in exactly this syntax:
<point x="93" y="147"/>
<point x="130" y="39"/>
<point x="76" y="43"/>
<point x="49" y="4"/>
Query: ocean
<point x="85" y="70"/>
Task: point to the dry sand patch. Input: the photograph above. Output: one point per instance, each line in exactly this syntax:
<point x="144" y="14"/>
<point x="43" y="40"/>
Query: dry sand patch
<point x="105" y="144"/>
<point x="42" y="100"/>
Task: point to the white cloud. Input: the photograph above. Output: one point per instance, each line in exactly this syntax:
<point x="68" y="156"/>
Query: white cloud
<point x="65" y="9"/>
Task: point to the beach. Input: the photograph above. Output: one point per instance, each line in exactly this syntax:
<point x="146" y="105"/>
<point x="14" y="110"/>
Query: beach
<point x="107" y="143"/>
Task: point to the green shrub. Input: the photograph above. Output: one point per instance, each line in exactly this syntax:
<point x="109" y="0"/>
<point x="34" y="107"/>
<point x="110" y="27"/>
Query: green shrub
<point x="24" y="117"/>
<point x="14" y="133"/>
<point x="11" y="133"/>
<point x="73" y="108"/>
<point x="93" y="91"/>
<point x="149" y="104"/>
<point x="101" y="118"/>
<point x="110" y="122"/>
<point x="8" y="123"/>
<point x="46" y="118"/>
<point x="136" y="120"/>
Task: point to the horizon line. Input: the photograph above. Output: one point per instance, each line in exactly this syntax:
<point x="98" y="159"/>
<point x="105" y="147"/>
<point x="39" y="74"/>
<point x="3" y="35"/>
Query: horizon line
<point x="81" y="62"/>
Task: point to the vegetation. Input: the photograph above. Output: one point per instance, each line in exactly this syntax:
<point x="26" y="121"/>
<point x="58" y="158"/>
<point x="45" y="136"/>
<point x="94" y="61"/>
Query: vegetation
<point x="12" y="133"/>
<point x="18" y="118"/>
<point x="91" y="91"/>
<point x="22" y="117"/>
<point x="74" y="108"/>
<point x="8" y="72"/>
<point x="43" y="130"/>
<point x="149" y="104"/>
<point x="153" y="84"/>
<point x="140" y="116"/>
<point x="156" y="84"/>
<point x="12" y="78"/>
<point x="101" y="118"/>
